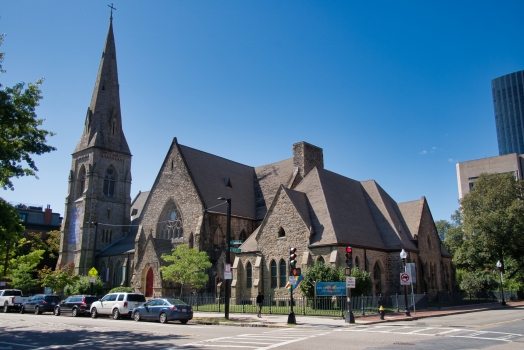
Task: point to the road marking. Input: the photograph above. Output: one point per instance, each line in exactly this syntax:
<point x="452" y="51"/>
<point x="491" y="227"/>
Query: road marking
<point x="496" y="323"/>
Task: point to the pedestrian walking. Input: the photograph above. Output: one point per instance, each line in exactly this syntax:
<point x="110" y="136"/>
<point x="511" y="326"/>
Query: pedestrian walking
<point x="260" y="302"/>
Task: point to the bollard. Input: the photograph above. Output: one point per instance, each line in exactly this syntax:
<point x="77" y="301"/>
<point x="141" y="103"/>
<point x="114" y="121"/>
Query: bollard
<point x="381" y="311"/>
<point x="362" y="302"/>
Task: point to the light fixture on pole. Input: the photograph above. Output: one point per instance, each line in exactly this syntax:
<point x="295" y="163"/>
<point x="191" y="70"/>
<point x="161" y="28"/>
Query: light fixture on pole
<point x="499" y="265"/>
<point x="228" y="258"/>
<point x="403" y="256"/>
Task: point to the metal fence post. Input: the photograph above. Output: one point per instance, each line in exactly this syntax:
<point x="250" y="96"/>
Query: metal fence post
<point x="270" y="303"/>
<point x="396" y="297"/>
<point x="303" y="306"/>
<point x="243" y="304"/>
<point x="362" y="302"/>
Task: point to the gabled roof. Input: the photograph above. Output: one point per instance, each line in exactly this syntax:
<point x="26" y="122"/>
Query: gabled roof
<point x="412" y="213"/>
<point x="219" y="177"/>
<point x="103" y="124"/>
<point x="300" y="202"/>
<point x="268" y="178"/>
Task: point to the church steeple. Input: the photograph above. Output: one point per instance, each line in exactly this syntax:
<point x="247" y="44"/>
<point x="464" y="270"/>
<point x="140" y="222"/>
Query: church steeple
<point x="103" y="124"/>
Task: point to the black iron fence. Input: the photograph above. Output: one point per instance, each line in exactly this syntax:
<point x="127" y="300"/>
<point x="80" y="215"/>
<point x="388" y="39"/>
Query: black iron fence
<point x="337" y="305"/>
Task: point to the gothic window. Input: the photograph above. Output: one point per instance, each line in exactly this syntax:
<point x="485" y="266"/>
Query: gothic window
<point x="429" y="243"/>
<point x="109" y="182"/>
<point x="170" y="223"/>
<point x="103" y="272"/>
<point x="283" y="274"/>
<point x="357" y="263"/>
<point x="274" y="274"/>
<point x="218" y="237"/>
<point x="117" y="276"/>
<point x="377" y="274"/>
<point x="242" y="236"/>
<point x="281" y="233"/>
<point x="81" y="181"/>
<point x="190" y="242"/>
<point x="249" y="275"/>
<point x="320" y="260"/>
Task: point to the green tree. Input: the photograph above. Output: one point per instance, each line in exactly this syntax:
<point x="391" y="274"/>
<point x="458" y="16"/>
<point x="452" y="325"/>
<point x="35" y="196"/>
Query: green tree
<point x="188" y="267"/>
<point x="454" y="235"/>
<point x="22" y="271"/>
<point x="11" y="230"/>
<point x="363" y="283"/>
<point x="121" y="289"/>
<point x="478" y="281"/>
<point x="442" y="227"/>
<point x="20" y="134"/>
<point x="83" y="286"/>
<point x="57" y="279"/>
<point x="493" y="222"/>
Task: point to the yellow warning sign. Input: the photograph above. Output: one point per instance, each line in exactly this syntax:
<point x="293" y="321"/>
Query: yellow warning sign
<point x="93" y="272"/>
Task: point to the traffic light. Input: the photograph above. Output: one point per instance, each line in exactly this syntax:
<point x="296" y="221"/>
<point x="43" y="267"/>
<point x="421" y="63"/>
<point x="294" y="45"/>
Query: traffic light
<point x="349" y="256"/>
<point x="292" y="258"/>
<point x="296" y="271"/>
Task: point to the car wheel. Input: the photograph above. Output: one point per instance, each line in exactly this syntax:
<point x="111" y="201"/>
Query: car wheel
<point x="74" y="312"/>
<point x="136" y="316"/>
<point x="57" y="311"/>
<point x="6" y="307"/>
<point x="22" y="309"/>
<point x="94" y="313"/>
<point x="116" y="314"/>
<point x="37" y="311"/>
<point x="183" y="321"/>
<point x="163" y="318"/>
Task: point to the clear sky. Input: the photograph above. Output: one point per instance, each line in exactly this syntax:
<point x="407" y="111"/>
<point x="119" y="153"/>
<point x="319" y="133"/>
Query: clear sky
<point x="395" y="91"/>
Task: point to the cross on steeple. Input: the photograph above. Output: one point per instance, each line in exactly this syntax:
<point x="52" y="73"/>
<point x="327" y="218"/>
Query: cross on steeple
<point x="112" y="8"/>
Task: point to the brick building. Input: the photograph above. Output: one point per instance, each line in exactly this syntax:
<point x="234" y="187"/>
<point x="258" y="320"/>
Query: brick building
<point x="292" y="202"/>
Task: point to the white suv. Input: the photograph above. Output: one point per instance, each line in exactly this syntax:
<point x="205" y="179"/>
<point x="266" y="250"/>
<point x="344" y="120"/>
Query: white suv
<point x="117" y="304"/>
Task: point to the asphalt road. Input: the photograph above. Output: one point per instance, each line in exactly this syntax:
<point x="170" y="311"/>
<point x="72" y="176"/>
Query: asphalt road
<point x="493" y="329"/>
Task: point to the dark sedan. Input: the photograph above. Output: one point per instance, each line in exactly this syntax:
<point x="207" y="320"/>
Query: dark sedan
<point x="39" y="303"/>
<point x="76" y="305"/>
<point x="163" y="310"/>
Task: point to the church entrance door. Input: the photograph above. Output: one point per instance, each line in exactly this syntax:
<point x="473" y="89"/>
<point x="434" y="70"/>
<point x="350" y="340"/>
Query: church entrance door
<point x="149" y="282"/>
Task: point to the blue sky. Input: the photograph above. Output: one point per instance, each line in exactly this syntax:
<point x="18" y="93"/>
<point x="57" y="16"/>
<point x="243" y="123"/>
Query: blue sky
<point x="395" y="91"/>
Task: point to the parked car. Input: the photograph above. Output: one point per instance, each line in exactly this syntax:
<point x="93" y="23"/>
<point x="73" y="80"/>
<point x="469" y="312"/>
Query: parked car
<point x="76" y="305"/>
<point x="117" y="304"/>
<point x="164" y="310"/>
<point x="11" y="299"/>
<point x="40" y="303"/>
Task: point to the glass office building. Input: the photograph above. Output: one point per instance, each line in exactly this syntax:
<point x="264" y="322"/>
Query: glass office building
<point x="508" y="101"/>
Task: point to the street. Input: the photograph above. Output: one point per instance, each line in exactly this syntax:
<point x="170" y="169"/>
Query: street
<point x="493" y="329"/>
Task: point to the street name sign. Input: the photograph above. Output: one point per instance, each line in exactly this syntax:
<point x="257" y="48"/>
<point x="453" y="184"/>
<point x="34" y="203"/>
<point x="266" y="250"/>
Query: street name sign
<point x="236" y="242"/>
<point x="235" y="250"/>
<point x="351" y="282"/>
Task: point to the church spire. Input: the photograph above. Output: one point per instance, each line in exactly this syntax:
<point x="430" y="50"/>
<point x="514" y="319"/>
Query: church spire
<point x="103" y="124"/>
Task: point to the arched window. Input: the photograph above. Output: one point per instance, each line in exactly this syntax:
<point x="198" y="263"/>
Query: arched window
<point x="357" y="263"/>
<point x="283" y="274"/>
<point x="103" y="272"/>
<point x="109" y="182"/>
<point x="81" y="181"/>
<point x="377" y="277"/>
<point x="190" y="241"/>
<point x="170" y="223"/>
<point x="320" y="260"/>
<point x="218" y="237"/>
<point x="243" y="235"/>
<point x="249" y="275"/>
<point x="274" y="274"/>
<point x="281" y="232"/>
<point x="117" y="276"/>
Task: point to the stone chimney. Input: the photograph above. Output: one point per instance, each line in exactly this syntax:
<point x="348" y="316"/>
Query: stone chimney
<point x="48" y="214"/>
<point x="305" y="158"/>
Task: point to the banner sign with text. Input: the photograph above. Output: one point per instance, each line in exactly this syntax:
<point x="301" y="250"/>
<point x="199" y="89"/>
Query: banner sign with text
<point x="330" y="288"/>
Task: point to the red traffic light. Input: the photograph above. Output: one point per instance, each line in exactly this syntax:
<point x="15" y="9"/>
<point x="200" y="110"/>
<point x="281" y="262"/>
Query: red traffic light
<point x="349" y="250"/>
<point x="292" y="250"/>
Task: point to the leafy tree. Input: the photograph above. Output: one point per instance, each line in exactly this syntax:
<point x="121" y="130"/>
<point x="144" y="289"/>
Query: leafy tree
<point x="442" y="227"/>
<point x="493" y="222"/>
<point x="187" y="267"/>
<point x="58" y="278"/>
<point x="121" y="289"/>
<point x="20" y="134"/>
<point x="454" y="235"/>
<point x="11" y="230"/>
<point x="478" y="281"/>
<point x="22" y="271"/>
<point x="83" y="286"/>
<point x="363" y="284"/>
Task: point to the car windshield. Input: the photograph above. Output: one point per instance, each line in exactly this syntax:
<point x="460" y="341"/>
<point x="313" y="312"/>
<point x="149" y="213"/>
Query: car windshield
<point x="175" y="301"/>
<point x="136" y="298"/>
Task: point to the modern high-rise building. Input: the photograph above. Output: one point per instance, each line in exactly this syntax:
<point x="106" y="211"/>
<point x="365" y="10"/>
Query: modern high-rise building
<point x="508" y="101"/>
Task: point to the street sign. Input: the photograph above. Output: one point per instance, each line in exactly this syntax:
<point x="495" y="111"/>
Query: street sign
<point x="292" y="279"/>
<point x="228" y="275"/>
<point x="92" y="280"/>
<point x="404" y="279"/>
<point x="93" y="272"/>
<point x="235" y="250"/>
<point x="351" y="282"/>
<point x="236" y="242"/>
<point x="228" y="268"/>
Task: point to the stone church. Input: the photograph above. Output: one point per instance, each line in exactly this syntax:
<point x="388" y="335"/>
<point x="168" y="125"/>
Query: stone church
<point x="294" y="202"/>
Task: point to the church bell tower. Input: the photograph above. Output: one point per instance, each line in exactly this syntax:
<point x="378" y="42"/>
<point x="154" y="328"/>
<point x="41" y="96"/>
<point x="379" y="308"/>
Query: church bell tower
<point x="99" y="192"/>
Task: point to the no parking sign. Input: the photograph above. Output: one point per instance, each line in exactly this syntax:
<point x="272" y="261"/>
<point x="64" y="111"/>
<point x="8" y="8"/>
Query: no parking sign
<point x="405" y="280"/>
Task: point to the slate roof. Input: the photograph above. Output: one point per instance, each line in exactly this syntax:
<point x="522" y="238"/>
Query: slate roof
<point x="211" y="175"/>
<point x="268" y="178"/>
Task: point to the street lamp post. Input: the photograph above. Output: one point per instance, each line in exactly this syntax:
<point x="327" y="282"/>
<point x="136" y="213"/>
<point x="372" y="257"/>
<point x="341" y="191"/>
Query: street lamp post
<point x="94" y="252"/>
<point x="499" y="265"/>
<point x="228" y="258"/>
<point x="403" y="256"/>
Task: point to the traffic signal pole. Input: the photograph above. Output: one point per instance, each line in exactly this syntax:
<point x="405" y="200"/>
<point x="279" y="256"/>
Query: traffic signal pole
<point x="350" y="318"/>
<point x="292" y="264"/>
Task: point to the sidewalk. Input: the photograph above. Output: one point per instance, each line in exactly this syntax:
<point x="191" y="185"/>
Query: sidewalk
<point x="251" y="320"/>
